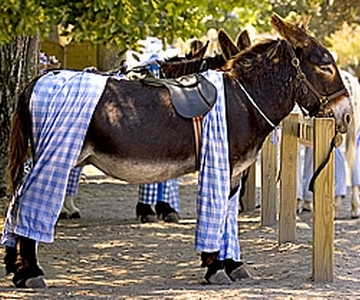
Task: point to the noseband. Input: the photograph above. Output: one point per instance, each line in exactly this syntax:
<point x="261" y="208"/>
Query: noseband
<point x="301" y="76"/>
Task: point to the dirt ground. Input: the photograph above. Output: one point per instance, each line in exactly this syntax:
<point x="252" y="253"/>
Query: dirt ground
<point x="108" y="254"/>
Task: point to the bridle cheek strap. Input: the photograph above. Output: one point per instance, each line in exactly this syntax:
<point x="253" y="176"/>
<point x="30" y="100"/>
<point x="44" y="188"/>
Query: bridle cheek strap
<point x="324" y="99"/>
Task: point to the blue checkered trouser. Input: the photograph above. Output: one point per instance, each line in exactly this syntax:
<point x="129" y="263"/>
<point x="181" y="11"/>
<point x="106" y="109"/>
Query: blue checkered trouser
<point x="166" y="191"/>
<point x="73" y="181"/>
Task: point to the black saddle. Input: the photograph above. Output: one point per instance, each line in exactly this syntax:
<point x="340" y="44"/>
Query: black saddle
<point x="192" y="95"/>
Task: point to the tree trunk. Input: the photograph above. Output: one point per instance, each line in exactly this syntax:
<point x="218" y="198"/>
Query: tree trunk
<point x="18" y="65"/>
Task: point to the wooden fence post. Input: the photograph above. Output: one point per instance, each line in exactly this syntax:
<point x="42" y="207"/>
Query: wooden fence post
<point x="288" y="176"/>
<point x="323" y="214"/>
<point x="268" y="183"/>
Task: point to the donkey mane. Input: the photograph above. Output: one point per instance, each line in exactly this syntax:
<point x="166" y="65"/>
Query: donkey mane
<point x="256" y="60"/>
<point x="195" y="65"/>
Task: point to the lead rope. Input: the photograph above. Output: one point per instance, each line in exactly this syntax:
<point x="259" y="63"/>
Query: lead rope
<point x="254" y="104"/>
<point x="322" y="165"/>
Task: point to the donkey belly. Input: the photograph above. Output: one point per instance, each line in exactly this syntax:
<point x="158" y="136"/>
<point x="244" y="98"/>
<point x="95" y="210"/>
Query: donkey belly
<point x="137" y="171"/>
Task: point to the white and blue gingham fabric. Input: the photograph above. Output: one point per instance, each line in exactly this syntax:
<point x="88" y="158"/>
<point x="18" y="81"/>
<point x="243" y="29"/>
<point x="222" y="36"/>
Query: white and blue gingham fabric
<point x="216" y="227"/>
<point x="61" y="105"/>
<point x="73" y="181"/>
<point x="166" y="191"/>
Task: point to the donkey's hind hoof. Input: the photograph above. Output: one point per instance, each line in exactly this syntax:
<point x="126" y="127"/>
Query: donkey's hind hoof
<point x="148" y="219"/>
<point x="75" y="215"/>
<point x="64" y="215"/>
<point x="35" y="283"/>
<point x="240" y="273"/>
<point x="355" y="213"/>
<point x="172" y="217"/>
<point x="220" y="277"/>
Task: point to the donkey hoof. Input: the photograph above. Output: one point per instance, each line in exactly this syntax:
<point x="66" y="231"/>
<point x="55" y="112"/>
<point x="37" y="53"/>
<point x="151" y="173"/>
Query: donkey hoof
<point x="299" y="206"/>
<point x="172" y="217"/>
<point x="75" y="215"/>
<point x="240" y="273"/>
<point x="308" y="206"/>
<point x="64" y="215"/>
<point x="35" y="283"/>
<point x="355" y="213"/>
<point x="148" y="219"/>
<point x="220" y="277"/>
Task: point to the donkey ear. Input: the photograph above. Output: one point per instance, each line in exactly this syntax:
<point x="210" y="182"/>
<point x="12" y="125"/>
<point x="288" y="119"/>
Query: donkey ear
<point x="243" y="40"/>
<point x="295" y="35"/>
<point x="227" y="46"/>
<point x="202" y="51"/>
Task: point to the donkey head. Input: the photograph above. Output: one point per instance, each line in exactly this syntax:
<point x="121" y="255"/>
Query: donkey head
<point x="321" y="89"/>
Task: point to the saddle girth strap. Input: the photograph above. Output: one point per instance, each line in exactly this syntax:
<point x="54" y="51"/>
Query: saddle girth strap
<point x="197" y="124"/>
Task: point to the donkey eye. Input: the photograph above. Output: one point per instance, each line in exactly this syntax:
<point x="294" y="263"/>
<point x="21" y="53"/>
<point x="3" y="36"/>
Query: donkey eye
<point x="327" y="69"/>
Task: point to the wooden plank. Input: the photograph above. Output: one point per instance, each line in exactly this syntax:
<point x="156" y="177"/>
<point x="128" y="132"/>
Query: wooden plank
<point x="53" y="48"/>
<point x="323" y="214"/>
<point x="268" y="183"/>
<point x="288" y="177"/>
<point x="81" y="55"/>
<point x="250" y="189"/>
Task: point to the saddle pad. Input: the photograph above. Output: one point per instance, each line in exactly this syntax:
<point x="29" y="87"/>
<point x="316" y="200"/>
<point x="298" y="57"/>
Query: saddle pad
<point x="192" y="95"/>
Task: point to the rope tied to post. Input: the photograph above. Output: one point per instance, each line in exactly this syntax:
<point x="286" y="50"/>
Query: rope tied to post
<point x="334" y="142"/>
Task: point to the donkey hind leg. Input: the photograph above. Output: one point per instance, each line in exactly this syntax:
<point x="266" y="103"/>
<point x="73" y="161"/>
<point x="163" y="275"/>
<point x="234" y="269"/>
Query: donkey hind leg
<point x="165" y="212"/>
<point x="355" y="202"/>
<point x="10" y="260"/>
<point x="27" y="273"/>
<point x="337" y="206"/>
<point x="145" y="213"/>
<point x="69" y="210"/>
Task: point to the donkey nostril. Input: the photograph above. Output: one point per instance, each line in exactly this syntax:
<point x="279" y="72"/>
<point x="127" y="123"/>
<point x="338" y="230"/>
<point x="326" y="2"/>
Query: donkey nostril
<point x="347" y="118"/>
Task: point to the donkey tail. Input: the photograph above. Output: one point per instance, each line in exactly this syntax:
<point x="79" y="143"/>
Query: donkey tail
<point x="20" y="135"/>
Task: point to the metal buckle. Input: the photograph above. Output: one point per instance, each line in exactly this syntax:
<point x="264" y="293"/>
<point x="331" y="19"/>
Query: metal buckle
<point x="295" y="62"/>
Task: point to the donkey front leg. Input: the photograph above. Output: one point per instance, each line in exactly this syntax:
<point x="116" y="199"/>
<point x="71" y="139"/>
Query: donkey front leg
<point x="215" y="273"/>
<point x="355" y="202"/>
<point x="27" y="273"/>
<point x="69" y="210"/>
<point x="222" y="271"/>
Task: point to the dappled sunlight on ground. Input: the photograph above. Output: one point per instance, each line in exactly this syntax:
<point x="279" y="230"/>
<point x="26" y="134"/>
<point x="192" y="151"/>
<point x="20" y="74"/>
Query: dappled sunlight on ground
<point x="108" y="254"/>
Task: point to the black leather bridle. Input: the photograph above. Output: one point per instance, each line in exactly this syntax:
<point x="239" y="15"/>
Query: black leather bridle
<point x="301" y="76"/>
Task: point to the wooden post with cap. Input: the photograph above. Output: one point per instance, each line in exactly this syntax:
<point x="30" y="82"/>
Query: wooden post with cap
<point x="323" y="214"/>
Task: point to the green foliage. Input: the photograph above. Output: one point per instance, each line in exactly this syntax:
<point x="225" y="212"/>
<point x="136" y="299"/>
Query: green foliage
<point x="123" y="22"/>
<point x="234" y="16"/>
<point x="345" y="43"/>
<point x="23" y="18"/>
<point x="327" y="16"/>
<point x="118" y="22"/>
